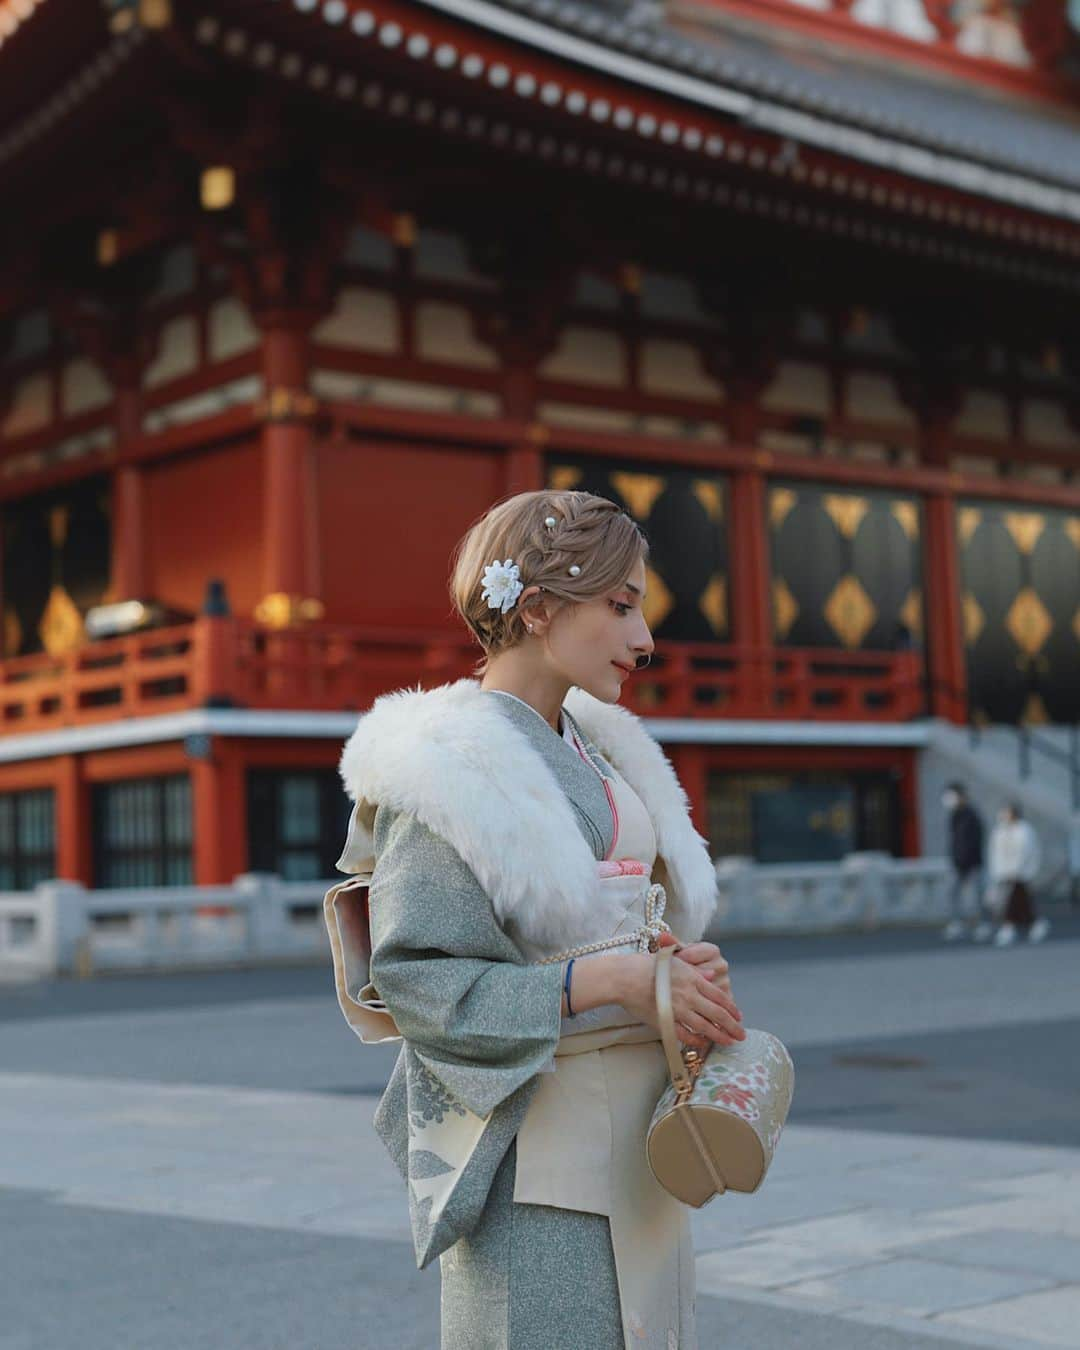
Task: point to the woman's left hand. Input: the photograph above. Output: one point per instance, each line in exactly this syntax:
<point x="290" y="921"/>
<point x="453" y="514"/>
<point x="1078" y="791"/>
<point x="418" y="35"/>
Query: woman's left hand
<point x="708" y="959"/>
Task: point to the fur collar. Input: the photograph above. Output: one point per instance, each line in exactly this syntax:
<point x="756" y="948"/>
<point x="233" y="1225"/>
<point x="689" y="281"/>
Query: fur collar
<point x="451" y="757"/>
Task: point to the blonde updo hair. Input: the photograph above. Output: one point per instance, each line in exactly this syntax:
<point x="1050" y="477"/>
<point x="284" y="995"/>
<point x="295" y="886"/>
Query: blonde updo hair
<point x="590" y="532"/>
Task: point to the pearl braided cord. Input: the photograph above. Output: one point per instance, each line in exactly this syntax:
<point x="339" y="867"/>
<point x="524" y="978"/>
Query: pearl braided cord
<point x="642" y="938"/>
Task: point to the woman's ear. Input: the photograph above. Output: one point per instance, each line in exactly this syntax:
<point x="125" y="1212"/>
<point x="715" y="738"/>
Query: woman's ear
<point x="535" y="609"/>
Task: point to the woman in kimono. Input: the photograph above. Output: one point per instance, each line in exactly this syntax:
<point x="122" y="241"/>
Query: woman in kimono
<point x="500" y="825"/>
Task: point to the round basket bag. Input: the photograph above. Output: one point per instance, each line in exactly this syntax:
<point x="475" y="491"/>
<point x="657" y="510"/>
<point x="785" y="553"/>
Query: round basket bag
<point x="717" y="1126"/>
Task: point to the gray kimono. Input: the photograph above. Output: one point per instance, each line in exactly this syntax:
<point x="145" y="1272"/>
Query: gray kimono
<point x="480" y="1022"/>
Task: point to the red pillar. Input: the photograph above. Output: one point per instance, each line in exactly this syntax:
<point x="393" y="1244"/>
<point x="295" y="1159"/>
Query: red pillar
<point x="944" y="615"/>
<point x="289" y="527"/>
<point x="689" y="764"/>
<point x="525" y="467"/>
<point x="524" y="460"/>
<point x="748" y="551"/>
<point x="519" y="381"/>
<point x="220" y="815"/>
<point x="751" y="588"/>
<point x="73" y="852"/>
<point x="130" y="571"/>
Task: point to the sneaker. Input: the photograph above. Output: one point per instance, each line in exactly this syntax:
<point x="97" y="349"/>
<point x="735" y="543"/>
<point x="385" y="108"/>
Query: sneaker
<point x="1039" y="930"/>
<point x="953" y="929"/>
<point x="1005" y="935"/>
<point x="983" y="932"/>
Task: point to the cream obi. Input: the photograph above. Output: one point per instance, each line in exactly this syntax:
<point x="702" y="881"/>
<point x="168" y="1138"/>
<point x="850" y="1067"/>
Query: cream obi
<point x="584" y="1131"/>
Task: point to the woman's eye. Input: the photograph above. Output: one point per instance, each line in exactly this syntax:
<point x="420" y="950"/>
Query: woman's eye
<point x="620" y="608"/>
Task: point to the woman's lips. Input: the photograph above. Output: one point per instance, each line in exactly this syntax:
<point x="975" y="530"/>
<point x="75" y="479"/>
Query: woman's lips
<point x="625" y="669"/>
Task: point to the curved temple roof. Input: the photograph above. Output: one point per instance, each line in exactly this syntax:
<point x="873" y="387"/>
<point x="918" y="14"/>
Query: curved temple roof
<point x="1000" y="145"/>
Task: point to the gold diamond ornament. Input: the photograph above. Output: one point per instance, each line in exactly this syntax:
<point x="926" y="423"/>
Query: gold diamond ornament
<point x="564" y="477"/>
<point x="658" y="598"/>
<point x="785" y="607"/>
<point x="850" y="611"/>
<point x="1025" y="528"/>
<point x="713" y="604"/>
<point x="640" y="490"/>
<point x="781" y="502"/>
<point x="907" y="516"/>
<point x="1028" y="621"/>
<point x="846" y="512"/>
<point x="974" y="619"/>
<point x="710" y="495"/>
<point x="967" y="522"/>
<point x="911" y="610"/>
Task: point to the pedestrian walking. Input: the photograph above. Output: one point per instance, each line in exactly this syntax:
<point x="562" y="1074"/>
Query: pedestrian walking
<point x="1014" y="864"/>
<point x="966" y="852"/>
<point x="500" y="823"/>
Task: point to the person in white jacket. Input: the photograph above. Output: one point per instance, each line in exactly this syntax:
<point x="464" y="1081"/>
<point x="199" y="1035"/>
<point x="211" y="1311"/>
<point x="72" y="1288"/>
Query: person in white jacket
<point x="1014" y="864"/>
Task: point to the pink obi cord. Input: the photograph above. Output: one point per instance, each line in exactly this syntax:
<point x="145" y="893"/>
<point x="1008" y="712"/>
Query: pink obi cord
<point x="607" y="793"/>
<point x="625" y="867"/>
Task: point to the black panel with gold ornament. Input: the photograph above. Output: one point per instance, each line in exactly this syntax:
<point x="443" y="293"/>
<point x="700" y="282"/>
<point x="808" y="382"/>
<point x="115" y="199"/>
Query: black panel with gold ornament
<point x="56" y="549"/>
<point x="847" y="568"/>
<point x="1020" y="577"/>
<point x="683" y="513"/>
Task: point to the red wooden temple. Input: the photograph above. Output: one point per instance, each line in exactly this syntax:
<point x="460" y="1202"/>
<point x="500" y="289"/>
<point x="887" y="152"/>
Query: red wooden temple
<point x="292" y="290"/>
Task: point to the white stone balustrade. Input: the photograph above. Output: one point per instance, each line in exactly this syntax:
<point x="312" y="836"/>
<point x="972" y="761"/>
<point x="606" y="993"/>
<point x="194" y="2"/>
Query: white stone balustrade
<point x="865" y="890"/>
<point x="62" y="928"/>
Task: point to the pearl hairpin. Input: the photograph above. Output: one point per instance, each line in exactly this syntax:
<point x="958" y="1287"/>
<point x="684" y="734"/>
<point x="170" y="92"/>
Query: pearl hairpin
<point x="551" y="522"/>
<point x="575" y="570"/>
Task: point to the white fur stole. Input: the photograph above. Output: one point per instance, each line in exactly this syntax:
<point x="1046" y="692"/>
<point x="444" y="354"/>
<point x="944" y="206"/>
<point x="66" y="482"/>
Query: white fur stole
<point x="453" y="759"/>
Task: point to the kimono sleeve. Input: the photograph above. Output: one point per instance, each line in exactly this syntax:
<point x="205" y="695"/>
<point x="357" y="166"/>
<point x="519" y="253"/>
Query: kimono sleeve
<point x="478" y="1016"/>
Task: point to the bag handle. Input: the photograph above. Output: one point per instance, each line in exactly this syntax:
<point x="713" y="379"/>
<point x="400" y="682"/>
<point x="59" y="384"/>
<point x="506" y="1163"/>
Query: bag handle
<point x="680" y="1075"/>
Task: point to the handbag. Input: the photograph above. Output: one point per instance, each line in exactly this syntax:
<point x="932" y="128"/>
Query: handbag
<point x="716" y="1127"/>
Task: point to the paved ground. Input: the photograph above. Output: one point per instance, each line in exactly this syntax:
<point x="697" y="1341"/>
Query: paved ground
<point x="187" y="1161"/>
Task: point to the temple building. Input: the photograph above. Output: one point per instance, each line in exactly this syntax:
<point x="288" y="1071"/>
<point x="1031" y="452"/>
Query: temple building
<point x="291" y="291"/>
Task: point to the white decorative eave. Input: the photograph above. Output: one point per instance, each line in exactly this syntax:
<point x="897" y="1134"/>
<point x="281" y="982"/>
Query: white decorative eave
<point x="597" y="57"/>
<point x="286" y="724"/>
<point x="839" y="137"/>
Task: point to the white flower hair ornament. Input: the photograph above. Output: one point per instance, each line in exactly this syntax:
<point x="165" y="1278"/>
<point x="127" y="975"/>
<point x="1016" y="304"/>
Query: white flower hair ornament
<point x="502" y="585"/>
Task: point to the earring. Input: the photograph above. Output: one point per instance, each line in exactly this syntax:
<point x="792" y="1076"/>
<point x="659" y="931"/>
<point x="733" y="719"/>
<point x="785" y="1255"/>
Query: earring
<point x="529" y="626"/>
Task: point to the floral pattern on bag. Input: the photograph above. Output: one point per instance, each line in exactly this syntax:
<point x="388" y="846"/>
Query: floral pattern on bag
<point x="753" y="1079"/>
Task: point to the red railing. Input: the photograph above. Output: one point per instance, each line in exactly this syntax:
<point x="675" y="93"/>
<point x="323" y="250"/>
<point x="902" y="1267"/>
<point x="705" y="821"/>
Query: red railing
<point x="703" y="680"/>
<point x="232" y="662"/>
<point x="103" y="681"/>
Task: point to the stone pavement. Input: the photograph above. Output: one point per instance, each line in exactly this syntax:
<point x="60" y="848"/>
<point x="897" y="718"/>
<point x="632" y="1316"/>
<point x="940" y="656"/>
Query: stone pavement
<point x="206" y="1174"/>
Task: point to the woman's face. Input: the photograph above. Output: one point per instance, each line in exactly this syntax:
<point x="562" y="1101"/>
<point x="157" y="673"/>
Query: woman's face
<point x="595" y="643"/>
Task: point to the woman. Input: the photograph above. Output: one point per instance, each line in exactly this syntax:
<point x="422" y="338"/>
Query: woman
<point x="1015" y="859"/>
<point x="500" y="825"/>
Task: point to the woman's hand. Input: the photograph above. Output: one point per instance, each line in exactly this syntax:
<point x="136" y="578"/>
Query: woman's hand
<point x="704" y="1015"/>
<point x="708" y="959"/>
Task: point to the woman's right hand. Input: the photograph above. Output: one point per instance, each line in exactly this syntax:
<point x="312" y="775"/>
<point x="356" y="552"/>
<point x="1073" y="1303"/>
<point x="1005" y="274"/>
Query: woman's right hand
<point x="704" y="1015"/>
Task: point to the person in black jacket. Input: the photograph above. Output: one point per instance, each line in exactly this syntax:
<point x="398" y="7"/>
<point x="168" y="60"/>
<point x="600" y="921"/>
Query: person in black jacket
<point x="966" y="852"/>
